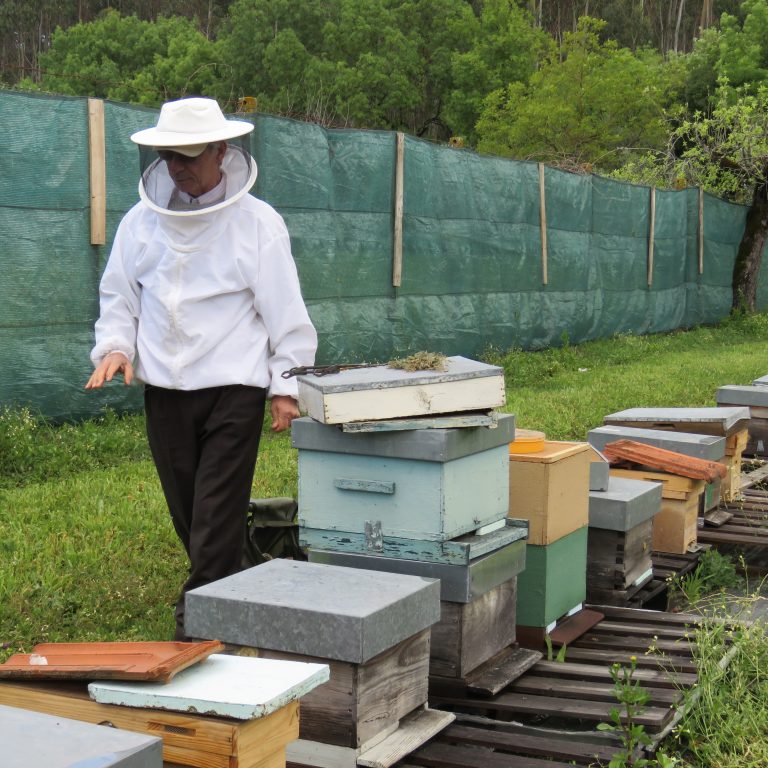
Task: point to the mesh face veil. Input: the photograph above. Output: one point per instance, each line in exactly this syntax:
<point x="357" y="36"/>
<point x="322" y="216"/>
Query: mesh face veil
<point x="156" y="185"/>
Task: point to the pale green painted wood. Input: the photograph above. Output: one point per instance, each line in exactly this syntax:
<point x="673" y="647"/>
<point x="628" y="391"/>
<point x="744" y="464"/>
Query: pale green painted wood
<point x="428" y="500"/>
<point x="554" y="580"/>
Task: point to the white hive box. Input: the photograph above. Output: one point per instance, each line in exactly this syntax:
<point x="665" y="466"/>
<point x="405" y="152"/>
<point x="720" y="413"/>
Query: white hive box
<point x="380" y="392"/>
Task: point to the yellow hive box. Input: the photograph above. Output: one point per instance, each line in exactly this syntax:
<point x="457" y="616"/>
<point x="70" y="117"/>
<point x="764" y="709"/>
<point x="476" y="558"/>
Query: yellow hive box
<point x="550" y="489"/>
<point x="675" y="526"/>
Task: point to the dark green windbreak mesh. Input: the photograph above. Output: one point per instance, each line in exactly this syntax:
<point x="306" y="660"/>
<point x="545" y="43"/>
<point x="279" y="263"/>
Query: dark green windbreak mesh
<point x="472" y="273"/>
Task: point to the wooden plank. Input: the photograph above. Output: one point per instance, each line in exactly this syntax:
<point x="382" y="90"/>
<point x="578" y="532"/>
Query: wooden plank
<point x="97" y="172"/>
<point x="700" y="231"/>
<point x="397" y="257"/>
<point x="439" y="755"/>
<point x="645" y="631"/>
<point x="723" y="537"/>
<point x="650" y="678"/>
<point x="148" y="661"/>
<point x="642" y="616"/>
<point x="663" y="460"/>
<point x="550" y="746"/>
<point x="612" y="656"/>
<point x="597" y="639"/>
<point x="543" y="225"/>
<point x="575" y="626"/>
<point x="414" y="730"/>
<point x="717" y="517"/>
<point x="553" y="706"/>
<point x="446" y="421"/>
<point x="651" y="234"/>
<point x="501" y="670"/>
<point x="581" y="689"/>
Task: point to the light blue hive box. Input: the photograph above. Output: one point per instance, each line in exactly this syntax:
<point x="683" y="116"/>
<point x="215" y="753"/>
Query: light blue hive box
<point x="383" y="489"/>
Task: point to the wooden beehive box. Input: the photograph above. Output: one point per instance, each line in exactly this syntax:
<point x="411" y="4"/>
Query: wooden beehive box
<point x="380" y="392"/>
<point x="554" y="580"/>
<point x="621" y="539"/>
<point x="755" y="398"/>
<point x="426" y="484"/>
<point x="477" y="605"/>
<point x="675" y="526"/>
<point x="371" y="628"/>
<point x="189" y="739"/>
<point x="550" y="489"/>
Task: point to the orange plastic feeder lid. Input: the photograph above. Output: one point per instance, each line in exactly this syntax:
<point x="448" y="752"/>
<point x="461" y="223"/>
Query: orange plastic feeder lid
<point x="527" y="441"/>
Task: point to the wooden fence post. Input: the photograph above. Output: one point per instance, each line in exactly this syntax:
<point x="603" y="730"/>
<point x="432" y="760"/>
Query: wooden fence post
<point x="97" y="171"/>
<point x="701" y="231"/>
<point x="543" y="226"/>
<point x="397" y="256"/>
<point x="651" y="228"/>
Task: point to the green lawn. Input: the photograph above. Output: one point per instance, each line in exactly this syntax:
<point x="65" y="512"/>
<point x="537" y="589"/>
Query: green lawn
<point x="88" y="551"/>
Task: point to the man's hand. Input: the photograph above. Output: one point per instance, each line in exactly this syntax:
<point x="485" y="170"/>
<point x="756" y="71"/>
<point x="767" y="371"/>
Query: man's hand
<point x="284" y="410"/>
<point x="114" y="362"/>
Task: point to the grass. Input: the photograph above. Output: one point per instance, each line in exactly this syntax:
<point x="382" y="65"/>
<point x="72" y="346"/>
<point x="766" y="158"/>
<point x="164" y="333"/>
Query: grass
<point x="87" y="551"/>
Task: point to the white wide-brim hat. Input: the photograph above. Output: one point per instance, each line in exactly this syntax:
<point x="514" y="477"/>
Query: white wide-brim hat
<point x="190" y="122"/>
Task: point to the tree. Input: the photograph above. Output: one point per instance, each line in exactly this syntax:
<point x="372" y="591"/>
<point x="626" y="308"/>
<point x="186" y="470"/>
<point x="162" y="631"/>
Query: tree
<point x="726" y="152"/>
<point x="366" y="63"/>
<point x="587" y="106"/>
<point x="505" y="49"/>
<point x="127" y="59"/>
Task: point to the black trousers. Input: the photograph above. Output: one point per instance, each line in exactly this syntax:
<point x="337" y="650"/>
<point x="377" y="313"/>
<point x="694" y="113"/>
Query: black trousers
<point x="204" y="444"/>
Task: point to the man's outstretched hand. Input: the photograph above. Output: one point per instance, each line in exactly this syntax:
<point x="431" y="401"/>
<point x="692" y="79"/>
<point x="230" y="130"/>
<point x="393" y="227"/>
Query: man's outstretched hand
<point x="113" y="363"/>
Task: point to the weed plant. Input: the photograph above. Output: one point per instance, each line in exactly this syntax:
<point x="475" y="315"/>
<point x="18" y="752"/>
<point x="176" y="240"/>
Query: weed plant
<point x="725" y="718"/>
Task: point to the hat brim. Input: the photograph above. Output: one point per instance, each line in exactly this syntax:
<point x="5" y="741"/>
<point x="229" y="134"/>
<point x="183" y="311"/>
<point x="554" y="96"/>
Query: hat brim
<point x="151" y="137"/>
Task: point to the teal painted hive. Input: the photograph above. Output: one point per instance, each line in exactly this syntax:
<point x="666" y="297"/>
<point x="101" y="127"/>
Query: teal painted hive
<point x="428" y="485"/>
<point x="554" y="580"/>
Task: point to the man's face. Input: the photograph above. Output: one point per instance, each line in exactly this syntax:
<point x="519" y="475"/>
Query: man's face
<point x="196" y="175"/>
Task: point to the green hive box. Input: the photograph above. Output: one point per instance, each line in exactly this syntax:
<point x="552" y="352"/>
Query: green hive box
<point x="554" y="580"/>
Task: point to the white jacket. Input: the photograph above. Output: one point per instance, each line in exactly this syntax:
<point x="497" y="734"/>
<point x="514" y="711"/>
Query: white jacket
<point x="205" y="300"/>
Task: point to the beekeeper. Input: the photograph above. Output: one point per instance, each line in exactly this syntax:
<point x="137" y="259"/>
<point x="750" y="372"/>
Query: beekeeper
<point x="200" y="301"/>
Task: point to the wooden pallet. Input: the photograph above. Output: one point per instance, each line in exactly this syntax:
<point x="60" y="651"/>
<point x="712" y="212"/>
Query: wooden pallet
<point x="745" y="533"/>
<point x="553" y="709"/>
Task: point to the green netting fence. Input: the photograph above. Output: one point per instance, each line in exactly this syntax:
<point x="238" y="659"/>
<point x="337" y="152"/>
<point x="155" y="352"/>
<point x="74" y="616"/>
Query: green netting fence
<point x="425" y="247"/>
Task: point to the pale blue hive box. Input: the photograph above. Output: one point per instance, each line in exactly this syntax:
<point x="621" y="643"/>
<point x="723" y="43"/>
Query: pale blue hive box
<point x="429" y="484"/>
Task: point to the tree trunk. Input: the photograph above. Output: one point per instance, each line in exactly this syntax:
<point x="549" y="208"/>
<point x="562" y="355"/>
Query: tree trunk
<point x="746" y="268"/>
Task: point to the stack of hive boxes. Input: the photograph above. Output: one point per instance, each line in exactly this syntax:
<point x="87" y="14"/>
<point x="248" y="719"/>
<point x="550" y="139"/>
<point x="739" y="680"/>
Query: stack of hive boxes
<point x="549" y="488"/>
<point x="383" y="486"/>
<point x="621" y="514"/>
<point x="755" y="398"/>
<point x="707" y="447"/>
<point x="683" y="481"/>
<point x="372" y="631"/>
<point x="730" y="423"/>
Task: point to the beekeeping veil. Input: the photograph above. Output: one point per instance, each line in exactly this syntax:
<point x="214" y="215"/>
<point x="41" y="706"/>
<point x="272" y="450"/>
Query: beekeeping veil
<point x="188" y="126"/>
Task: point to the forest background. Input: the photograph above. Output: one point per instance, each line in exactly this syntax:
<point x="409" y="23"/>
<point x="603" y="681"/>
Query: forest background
<point x="669" y="93"/>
